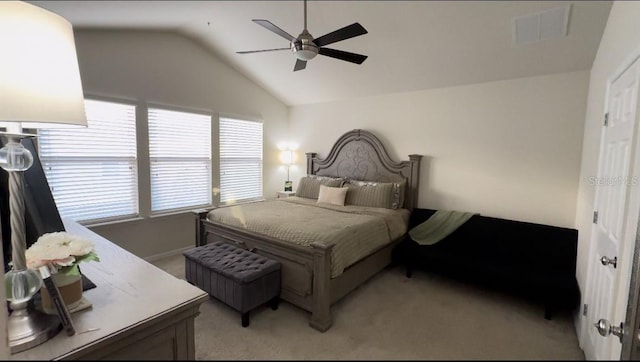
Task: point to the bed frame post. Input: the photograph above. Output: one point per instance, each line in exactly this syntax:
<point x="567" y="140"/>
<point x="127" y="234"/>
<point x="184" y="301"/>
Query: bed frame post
<point x="321" y="306"/>
<point x="310" y="157"/>
<point x="415" y="179"/>
<point x="200" y="215"/>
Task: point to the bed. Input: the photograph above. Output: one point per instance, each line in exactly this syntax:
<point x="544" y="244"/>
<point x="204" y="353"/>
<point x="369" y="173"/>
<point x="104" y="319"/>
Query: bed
<point x="321" y="263"/>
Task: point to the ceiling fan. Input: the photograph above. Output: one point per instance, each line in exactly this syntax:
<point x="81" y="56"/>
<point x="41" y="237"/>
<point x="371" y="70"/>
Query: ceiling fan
<point x="305" y="47"/>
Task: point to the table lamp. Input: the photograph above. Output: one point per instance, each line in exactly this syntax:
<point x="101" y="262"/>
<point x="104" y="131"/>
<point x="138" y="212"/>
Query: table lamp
<point x="287" y="159"/>
<point x="40" y="87"/>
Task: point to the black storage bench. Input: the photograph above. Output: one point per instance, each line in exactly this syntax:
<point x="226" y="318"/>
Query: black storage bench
<point x="535" y="261"/>
<point x="241" y="279"/>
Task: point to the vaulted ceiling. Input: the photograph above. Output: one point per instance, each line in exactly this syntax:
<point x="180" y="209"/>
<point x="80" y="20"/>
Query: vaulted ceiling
<point x="411" y="45"/>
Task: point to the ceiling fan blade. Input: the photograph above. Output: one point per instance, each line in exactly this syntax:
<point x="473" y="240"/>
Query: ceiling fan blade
<point x="347" y="32"/>
<point x="342" y="55"/>
<point x="270" y="26"/>
<point x="260" y="51"/>
<point x="300" y="65"/>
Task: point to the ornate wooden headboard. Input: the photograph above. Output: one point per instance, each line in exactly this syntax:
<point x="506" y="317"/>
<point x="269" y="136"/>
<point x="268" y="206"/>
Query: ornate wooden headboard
<point x="359" y="155"/>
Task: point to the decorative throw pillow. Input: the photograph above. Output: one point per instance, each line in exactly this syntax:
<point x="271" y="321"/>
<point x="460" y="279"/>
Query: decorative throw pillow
<point x="309" y="186"/>
<point x="332" y="195"/>
<point x="388" y="195"/>
<point x="370" y="194"/>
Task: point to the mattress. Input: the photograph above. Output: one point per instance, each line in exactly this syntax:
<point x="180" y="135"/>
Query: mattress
<point x="355" y="231"/>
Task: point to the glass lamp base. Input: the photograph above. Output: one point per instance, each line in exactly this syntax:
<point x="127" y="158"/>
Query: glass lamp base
<point x="288" y="186"/>
<point x="29" y="327"/>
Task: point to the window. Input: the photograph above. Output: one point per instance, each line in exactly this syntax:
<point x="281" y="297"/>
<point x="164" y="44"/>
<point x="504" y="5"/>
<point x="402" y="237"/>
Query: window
<point x="180" y="155"/>
<point x="240" y="160"/>
<point x="92" y="170"/>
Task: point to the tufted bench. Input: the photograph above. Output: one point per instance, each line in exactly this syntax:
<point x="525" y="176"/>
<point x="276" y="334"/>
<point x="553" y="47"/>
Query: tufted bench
<point x="241" y="279"/>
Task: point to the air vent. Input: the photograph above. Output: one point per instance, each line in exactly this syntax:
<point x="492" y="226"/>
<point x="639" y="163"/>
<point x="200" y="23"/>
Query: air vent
<point x="548" y="24"/>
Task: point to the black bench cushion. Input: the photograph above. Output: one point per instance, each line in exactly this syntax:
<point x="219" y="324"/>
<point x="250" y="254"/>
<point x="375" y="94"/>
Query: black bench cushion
<point x="233" y="262"/>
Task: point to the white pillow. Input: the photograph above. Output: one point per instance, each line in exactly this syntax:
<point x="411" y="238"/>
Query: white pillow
<point x="332" y="195"/>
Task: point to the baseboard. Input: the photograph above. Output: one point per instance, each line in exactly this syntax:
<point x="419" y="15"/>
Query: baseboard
<point x="156" y="257"/>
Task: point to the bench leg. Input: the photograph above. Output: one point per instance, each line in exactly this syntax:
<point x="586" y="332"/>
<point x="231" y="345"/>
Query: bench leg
<point x="407" y="256"/>
<point x="274" y="302"/>
<point x="245" y="319"/>
<point x="548" y="311"/>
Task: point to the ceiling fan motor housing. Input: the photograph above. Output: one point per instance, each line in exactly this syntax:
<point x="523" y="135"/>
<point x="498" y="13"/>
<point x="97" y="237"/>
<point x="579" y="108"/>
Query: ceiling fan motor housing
<point x="304" y="48"/>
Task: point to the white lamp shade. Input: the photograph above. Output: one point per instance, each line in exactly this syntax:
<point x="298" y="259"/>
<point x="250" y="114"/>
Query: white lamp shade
<point x="286" y="157"/>
<point x="39" y="75"/>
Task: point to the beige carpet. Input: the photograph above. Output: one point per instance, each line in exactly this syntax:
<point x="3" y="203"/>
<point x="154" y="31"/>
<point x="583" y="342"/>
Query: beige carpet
<point x="390" y="317"/>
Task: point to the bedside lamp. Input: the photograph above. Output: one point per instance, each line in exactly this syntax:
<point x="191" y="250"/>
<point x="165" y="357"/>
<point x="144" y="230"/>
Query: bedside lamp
<point x="39" y="86"/>
<point x="286" y="157"/>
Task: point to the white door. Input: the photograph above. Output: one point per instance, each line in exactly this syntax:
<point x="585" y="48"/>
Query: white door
<point x="617" y="204"/>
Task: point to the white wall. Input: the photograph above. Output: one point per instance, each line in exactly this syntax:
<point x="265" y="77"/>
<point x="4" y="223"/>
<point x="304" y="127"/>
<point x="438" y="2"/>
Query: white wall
<point x="167" y="68"/>
<point x="620" y="40"/>
<point x="506" y="149"/>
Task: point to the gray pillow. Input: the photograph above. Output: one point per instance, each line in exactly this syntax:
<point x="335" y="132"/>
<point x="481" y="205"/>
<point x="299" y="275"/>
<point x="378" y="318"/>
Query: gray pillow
<point x="309" y="186"/>
<point x="389" y="195"/>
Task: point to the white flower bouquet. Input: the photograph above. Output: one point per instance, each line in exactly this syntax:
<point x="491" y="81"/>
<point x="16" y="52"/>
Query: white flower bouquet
<point x="62" y="250"/>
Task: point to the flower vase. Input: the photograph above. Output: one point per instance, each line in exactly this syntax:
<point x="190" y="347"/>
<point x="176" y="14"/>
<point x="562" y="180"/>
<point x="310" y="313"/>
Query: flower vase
<point x="70" y="287"/>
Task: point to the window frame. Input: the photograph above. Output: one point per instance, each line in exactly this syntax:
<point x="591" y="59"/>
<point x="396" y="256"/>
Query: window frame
<point x="219" y="158"/>
<point x="149" y="158"/>
<point x="136" y="162"/>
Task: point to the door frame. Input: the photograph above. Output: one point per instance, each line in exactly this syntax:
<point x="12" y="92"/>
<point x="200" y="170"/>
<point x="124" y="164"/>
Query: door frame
<point x="630" y="344"/>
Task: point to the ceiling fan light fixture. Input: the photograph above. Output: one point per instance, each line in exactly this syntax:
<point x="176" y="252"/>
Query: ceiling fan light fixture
<point x="304" y="48"/>
<point x="305" y="54"/>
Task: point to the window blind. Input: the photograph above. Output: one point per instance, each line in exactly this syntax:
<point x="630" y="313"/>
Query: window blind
<point x="240" y="160"/>
<point x="180" y="155"/>
<point x="92" y="171"/>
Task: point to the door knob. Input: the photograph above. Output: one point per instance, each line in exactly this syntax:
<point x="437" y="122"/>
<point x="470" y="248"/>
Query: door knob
<point x="605" y="328"/>
<point x="604" y="260"/>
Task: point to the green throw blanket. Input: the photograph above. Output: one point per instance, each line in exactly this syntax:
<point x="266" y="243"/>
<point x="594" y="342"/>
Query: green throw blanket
<point x="439" y="226"/>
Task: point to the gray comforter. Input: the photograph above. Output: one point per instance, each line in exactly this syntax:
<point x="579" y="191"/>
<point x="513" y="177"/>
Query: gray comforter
<point x="355" y="231"/>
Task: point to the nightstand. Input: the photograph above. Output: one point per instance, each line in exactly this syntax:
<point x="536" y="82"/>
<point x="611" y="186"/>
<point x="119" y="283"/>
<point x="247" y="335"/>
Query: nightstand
<point x="285" y="194"/>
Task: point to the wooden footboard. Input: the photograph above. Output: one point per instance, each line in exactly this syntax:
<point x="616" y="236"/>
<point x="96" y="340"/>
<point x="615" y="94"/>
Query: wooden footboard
<point x="306" y="271"/>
